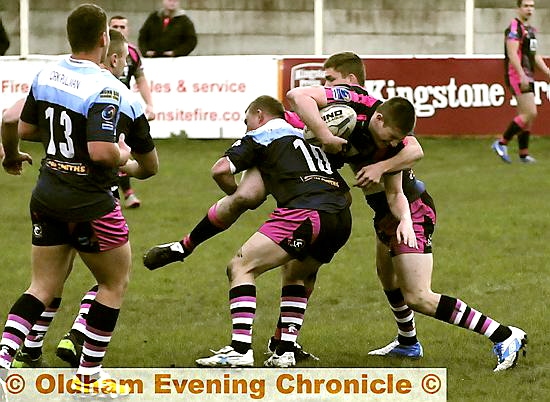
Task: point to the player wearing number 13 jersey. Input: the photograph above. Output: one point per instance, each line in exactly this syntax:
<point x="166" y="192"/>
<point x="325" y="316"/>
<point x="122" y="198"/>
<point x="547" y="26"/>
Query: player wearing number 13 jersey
<point x="72" y="103"/>
<point x="73" y="108"/>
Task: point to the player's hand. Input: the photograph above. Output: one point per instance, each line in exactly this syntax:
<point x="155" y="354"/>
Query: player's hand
<point x="370" y="174"/>
<point x="129" y="167"/>
<point x="149" y="112"/>
<point x="125" y="150"/>
<point x="333" y="144"/>
<point x="14" y="165"/>
<point x="405" y="234"/>
<point x="524" y="83"/>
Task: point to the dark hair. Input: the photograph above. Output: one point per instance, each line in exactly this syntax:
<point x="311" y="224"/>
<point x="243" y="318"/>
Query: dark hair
<point x="399" y="113"/>
<point x="269" y="105"/>
<point x="347" y="63"/>
<point x="117" y="42"/>
<point x="85" y="26"/>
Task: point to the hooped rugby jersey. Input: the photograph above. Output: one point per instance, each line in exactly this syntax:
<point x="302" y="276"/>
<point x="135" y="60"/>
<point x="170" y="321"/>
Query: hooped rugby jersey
<point x="297" y="174"/>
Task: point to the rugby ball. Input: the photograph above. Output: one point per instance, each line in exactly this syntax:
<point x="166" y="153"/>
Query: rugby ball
<point x="340" y="119"/>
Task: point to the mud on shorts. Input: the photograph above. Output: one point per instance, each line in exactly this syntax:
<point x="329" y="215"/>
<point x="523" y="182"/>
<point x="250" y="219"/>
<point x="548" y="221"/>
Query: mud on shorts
<point x="306" y="232"/>
<point x="423" y="217"/>
<point x="105" y="233"/>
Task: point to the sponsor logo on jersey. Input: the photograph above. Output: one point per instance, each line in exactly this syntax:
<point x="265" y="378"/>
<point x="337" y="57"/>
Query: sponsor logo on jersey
<point x="109" y="113"/>
<point x="341" y="94"/>
<point x="109" y="94"/>
<point x="324" y="179"/>
<point x="67" y="167"/>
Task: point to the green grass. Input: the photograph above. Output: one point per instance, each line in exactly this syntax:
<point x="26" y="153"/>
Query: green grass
<point x="490" y="250"/>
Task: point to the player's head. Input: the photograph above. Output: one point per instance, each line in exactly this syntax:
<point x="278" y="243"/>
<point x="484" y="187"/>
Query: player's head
<point x="117" y="53"/>
<point x="261" y="110"/>
<point x="87" y="29"/>
<point x="344" y="68"/>
<point x="393" y="120"/>
<point x="120" y="23"/>
<point x="525" y="9"/>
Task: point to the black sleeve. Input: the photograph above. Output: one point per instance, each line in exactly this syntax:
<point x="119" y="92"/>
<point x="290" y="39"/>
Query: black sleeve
<point x="4" y="40"/>
<point x="139" y="137"/>
<point x="188" y="37"/>
<point x="29" y="114"/>
<point x="245" y="153"/>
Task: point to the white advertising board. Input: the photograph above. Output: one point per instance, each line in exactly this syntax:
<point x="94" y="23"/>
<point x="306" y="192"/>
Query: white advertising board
<point x="202" y="96"/>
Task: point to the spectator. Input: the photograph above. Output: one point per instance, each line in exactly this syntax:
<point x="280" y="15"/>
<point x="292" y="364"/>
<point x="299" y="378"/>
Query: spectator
<point x="167" y="32"/>
<point x="4" y="40"/>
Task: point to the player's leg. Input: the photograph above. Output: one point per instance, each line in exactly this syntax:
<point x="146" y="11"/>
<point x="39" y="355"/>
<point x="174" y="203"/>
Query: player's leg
<point x="249" y="195"/>
<point x="130" y="198"/>
<point x="69" y="348"/>
<point x="520" y="124"/>
<point x="50" y="266"/>
<point x="314" y="242"/>
<point x="414" y="272"/>
<point x="104" y="248"/>
<point x="30" y="354"/>
<point x="527" y="113"/>
<point x="259" y="254"/>
<point x="299" y="353"/>
<point x="295" y="291"/>
<point x="406" y="343"/>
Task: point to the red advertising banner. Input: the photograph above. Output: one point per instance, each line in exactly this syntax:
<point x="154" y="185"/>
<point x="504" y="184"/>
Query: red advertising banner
<point x="452" y="95"/>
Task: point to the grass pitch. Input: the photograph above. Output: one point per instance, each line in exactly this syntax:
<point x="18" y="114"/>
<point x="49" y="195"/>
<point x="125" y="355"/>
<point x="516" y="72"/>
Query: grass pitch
<point x="490" y="249"/>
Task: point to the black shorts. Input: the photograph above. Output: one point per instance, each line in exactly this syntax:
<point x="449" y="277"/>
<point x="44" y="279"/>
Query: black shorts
<point x="102" y="234"/>
<point x="306" y="232"/>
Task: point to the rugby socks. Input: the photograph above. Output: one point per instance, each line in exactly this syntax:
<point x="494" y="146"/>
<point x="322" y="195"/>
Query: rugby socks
<point x="293" y="308"/>
<point x="35" y="339"/>
<point x="523" y="143"/>
<point x="456" y="312"/>
<point x="208" y="227"/>
<point x="242" y="304"/>
<point x="513" y="129"/>
<point x="100" y="324"/>
<point x="404" y="317"/>
<point x="23" y="314"/>
<point x="276" y="338"/>
<point x="79" y="324"/>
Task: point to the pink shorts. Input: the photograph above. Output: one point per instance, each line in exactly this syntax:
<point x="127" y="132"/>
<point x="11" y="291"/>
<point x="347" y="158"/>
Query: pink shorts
<point x="423" y="218"/>
<point x="307" y="232"/>
<point x="105" y="233"/>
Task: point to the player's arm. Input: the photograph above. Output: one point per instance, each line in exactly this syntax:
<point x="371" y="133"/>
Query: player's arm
<point x="406" y="158"/>
<point x="145" y="92"/>
<point x="102" y="117"/>
<point x="306" y="102"/>
<point x="10" y="132"/>
<point x="399" y="207"/>
<point x="222" y="173"/>
<point x="512" y="47"/>
<point x="541" y="65"/>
